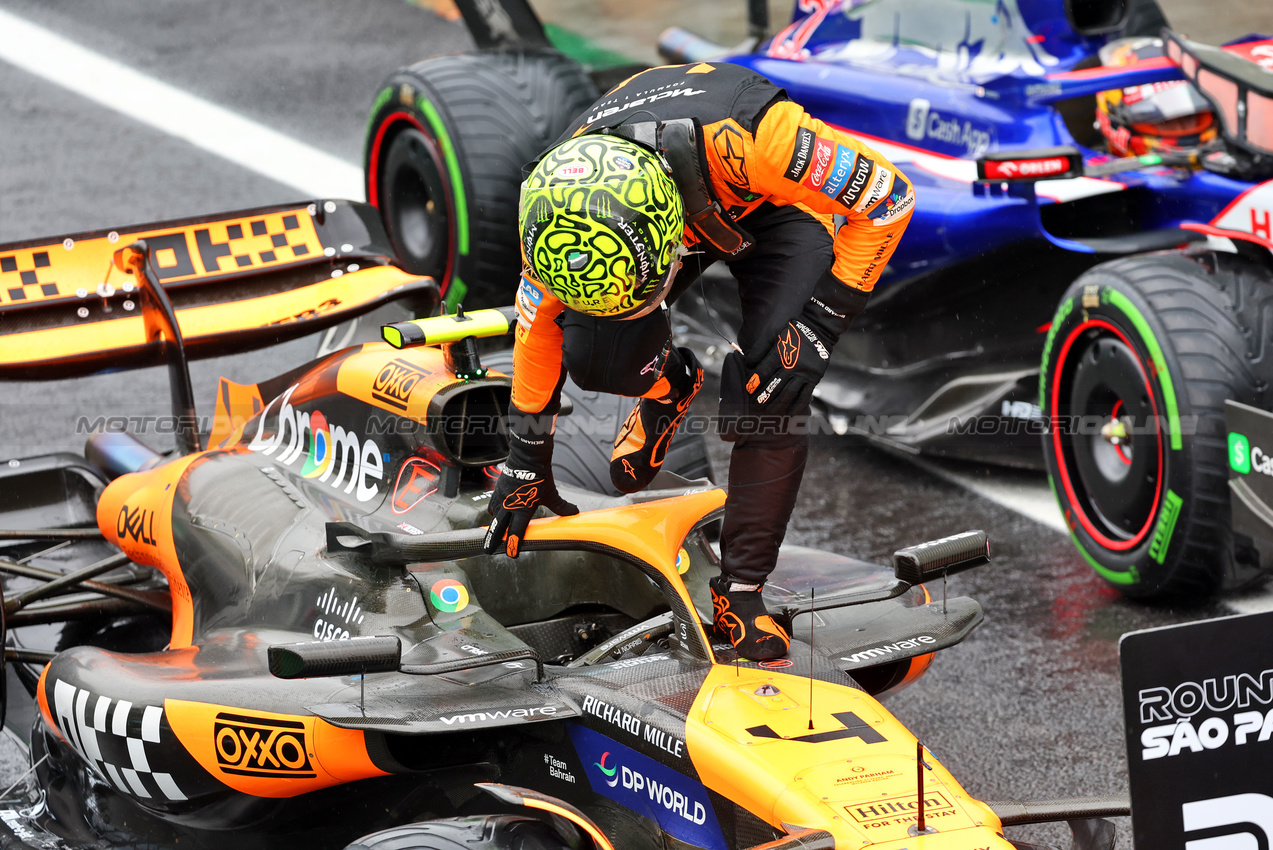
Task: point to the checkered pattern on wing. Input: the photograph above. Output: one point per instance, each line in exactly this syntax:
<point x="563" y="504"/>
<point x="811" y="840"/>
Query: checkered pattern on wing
<point x="114" y="737"/>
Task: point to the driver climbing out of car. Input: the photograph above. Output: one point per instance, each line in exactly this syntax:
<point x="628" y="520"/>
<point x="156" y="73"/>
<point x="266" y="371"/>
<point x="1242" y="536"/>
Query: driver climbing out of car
<point x="675" y="168"/>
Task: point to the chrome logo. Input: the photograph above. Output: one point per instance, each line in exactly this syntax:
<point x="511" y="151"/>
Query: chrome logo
<point x="682" y="561"/>
<point x="319" y="457"/>
<point x="612" y="777"/>
<point x="448" y="595"/>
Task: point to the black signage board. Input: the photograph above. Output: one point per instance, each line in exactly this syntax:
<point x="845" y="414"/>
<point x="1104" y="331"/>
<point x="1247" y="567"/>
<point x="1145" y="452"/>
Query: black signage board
<point x="1198" y="711"/>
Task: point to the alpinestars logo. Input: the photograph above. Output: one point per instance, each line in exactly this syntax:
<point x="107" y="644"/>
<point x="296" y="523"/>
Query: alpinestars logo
<point x="788" y="348"/>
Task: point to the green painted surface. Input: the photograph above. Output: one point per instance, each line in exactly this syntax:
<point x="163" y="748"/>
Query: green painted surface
<point x="457" y="177"/>
<point x="1166" y="526"/>
<point x="1239" y="453"/>
<point x="1121" y="301"/>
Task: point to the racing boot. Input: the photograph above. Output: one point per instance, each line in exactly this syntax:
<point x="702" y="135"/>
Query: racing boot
<point x="643" y="440"/>
<point x="739" y="616"/>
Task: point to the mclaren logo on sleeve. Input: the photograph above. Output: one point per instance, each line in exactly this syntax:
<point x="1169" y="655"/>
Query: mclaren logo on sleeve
<point x="801" y="154"/>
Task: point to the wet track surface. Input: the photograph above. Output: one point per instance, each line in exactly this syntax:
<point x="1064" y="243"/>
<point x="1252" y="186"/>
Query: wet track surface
<point x="1028" y="707"/>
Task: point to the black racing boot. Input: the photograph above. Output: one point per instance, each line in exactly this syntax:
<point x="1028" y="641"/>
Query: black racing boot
<point x="643" y="440"/>
<point x="740" y="617"/>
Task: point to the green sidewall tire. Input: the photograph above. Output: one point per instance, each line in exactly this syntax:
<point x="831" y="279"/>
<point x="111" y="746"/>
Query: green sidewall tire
<point x="455" y="131"/>
<point x="1183" y="315"/>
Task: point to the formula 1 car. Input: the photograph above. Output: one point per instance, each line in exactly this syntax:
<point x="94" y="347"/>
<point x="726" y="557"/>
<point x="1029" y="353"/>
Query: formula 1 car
<point x="1067" y="275"/>
<point x="287" y="635"/>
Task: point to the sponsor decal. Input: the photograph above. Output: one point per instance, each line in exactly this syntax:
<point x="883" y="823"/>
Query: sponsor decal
<point x="634" y="726"/>
<point x="558" y="769"/>
<point x="901" y="810"/>
<point x="677" y="89"/>
<point x="854" y="727"/>
<point x="637" y="662"/>
<point x="845" y="165"/>
<point x="679" y="804"/>
<point x="336" y="617"/>
<point x="868" y="274"/>
<point x="888" y="649"/>
<point x="449" y="595"/>
<point x="335" y="456"/>
<point x="682" y="561"/>
<point x="1166" y="526"/>
<point x="411" y="529"/>
<point x="1021" y="410"/>
<point x="881" y="181"/>
<point x="860" y="775"/>
<point x="137" y="524"/>
<point x="728" y="144"/>
<point x="120" y="741"/>
<point x="1015" y="168"/>
<point x="823" y="151"/>
<point x="1259" y="52"/>
<point x="260" y="746"/>
<point x="395" y="381"/>
<point x="1240" y="456"/>
<point x="776" y="664"/>
<point x="417" y="480"/>
<point x="525" y="496"/>
<point x="623" y="163"/>
<point x="856" y="185"/>
<point x="894" y="207"/>
<point x="808" y="334"/>
<point x="569" y="171"/>
<point x="789" y="347"/>
<point x="478" y="718"/>
<point x="801" y="154"/>
<point x="528" y="298"/>
<point x="925" y="123"/>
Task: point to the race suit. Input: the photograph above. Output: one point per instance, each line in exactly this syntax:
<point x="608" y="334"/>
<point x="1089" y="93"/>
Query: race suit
<point x="820" y="206"/>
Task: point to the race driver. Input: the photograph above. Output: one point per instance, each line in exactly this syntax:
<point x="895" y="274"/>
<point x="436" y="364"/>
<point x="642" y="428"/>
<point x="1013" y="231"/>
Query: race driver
<point x="675" y="168"/>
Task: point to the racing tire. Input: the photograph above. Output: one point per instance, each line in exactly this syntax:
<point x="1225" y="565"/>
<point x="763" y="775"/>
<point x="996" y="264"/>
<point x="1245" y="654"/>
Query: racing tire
<point x="585" y="438"/>
<point x="495" y="832"/>
<point x="443" y="161"/>
<point x="1153" y="346"/>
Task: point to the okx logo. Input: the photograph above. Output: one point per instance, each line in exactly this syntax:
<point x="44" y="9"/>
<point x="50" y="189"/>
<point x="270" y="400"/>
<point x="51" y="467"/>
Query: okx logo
<point x="1240" y="453"/>
<point x="258" y="746"/>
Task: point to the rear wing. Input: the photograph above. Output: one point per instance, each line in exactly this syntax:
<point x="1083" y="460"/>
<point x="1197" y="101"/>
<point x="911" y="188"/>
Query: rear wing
<point x="237" y="281"/>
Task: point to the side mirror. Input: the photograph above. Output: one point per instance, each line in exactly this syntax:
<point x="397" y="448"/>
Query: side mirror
<point x="1097" y="17"/>
<point x="937" y="558"/>
<point x="335" y="657"/>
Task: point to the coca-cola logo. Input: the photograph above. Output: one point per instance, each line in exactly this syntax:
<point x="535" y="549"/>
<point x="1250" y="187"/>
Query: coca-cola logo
<point x="822" y="153"/>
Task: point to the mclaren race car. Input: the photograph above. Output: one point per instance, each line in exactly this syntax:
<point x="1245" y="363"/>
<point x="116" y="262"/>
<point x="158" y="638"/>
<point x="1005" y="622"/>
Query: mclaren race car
<point x="285" y="633"/>
<point x="1088" y="262"/>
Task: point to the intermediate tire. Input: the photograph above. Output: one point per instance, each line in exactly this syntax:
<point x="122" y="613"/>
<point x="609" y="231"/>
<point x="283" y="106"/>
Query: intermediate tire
<point x="497" y="832"/>
<point x="443" y="161"/>
<point x="585" y="438"/>
<point x="1140" y="357"/>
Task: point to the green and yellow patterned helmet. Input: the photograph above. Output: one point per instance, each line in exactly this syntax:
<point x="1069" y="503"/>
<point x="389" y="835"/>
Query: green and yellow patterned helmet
<point x="601" y="224"/>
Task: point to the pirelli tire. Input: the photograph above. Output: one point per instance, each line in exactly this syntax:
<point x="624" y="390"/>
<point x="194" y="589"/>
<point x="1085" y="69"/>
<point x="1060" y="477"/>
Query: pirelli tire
<point x="443" y="160"/>
<point x="493" y="832"/>
<point x="1139" y="359"/>
<point x="585" y="438"/>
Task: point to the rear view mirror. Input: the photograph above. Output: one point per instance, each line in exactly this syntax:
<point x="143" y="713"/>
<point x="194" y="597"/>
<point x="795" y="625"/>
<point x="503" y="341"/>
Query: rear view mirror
<point x="1097" y="17"/>
<point x="1239" y="90"/>
<point x="937" y="558"/>
<point x="335" y="657"/>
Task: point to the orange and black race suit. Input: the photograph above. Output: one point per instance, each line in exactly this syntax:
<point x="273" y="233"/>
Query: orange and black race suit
<point x="760" y="149"/>
<point x="824" y="213"/>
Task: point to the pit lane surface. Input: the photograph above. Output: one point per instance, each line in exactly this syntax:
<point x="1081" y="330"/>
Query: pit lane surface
<point x="1028" y="707"/>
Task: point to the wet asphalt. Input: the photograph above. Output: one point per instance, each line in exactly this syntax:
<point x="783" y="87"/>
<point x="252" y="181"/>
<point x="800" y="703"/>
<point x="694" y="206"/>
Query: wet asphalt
<point x="1028" y="707"/>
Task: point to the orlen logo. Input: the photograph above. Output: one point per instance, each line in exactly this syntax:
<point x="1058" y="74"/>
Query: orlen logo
<point x="394" y="383"/>
<point x="331" y="454"/>
<point x="1011" y="168"/>
<point x="823" y="151"/>
<point x="612" y="773"/>
<point x="256" y="746"/>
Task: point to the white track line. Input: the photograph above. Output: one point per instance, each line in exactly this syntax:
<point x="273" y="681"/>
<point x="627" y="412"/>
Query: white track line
<point x="205" y="125"/>
<point x="1028" y="496"/>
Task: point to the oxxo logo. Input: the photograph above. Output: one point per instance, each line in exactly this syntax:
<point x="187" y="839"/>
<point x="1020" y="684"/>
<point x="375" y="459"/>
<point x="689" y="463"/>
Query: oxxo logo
<point x="256" y="746"/>
<point x="394" y="382"/>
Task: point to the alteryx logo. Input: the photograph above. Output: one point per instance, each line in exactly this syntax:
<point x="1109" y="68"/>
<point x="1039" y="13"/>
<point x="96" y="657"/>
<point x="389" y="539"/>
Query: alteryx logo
<point x="612" y="777"/>
<point x="1240" y="453"/>
<point x="679" y="804"/>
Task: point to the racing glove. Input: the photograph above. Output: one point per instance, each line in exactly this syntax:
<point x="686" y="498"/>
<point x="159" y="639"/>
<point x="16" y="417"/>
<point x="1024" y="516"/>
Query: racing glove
<point x="525" y="483"/>
<point x="781" y="381"/>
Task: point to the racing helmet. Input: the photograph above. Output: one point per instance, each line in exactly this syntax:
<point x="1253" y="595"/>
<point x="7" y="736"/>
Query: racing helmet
<point x="601" y="224"/>
<point x="1153" y="118"/>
